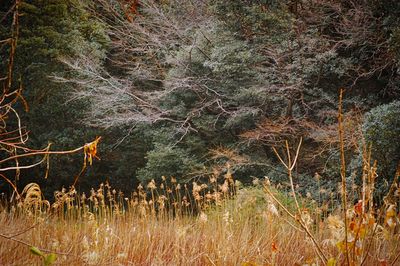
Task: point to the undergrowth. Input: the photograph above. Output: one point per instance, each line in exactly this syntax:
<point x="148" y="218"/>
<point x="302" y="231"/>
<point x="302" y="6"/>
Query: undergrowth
<point x="214" y="223"/>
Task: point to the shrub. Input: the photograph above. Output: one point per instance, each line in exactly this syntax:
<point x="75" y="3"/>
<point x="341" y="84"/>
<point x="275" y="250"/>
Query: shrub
<point x="381" y="130"/>
<point x="168" y="161"/>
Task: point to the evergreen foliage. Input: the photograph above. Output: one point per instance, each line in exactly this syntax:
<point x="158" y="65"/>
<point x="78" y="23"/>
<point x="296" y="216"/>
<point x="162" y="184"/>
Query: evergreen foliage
<point x="50" y="30"/>
<point x="381" y="130"/>
<point x="167" y="83"/>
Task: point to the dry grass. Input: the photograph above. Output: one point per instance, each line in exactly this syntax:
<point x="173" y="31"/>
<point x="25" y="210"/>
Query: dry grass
<point x="215" y="224"/>
<point x="100" y="232"/>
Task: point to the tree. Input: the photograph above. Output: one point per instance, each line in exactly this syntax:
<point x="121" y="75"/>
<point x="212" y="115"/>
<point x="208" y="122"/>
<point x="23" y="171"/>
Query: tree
<point x="13" y="136"/>
<point x="246" y="76"/>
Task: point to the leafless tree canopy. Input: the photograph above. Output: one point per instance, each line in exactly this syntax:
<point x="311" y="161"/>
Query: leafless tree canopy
<point x="144" y="48"/>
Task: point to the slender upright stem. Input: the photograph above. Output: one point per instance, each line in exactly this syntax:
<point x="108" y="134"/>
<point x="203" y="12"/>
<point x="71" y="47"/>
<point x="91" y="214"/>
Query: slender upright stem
<point x="290" y="166"/>
<point x="343" y="174"/>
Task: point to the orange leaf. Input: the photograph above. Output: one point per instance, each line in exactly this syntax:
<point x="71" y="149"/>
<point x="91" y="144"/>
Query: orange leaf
<point x="358" y="207"/>
<point x="274" y="247"/>
<point x="352" y="225"/>
<point x="90" y="150"/>
<point x="383" y="263"/>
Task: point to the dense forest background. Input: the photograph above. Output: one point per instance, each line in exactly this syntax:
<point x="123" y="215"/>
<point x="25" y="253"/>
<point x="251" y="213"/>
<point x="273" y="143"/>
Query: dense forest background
<point x="190" y="88"/>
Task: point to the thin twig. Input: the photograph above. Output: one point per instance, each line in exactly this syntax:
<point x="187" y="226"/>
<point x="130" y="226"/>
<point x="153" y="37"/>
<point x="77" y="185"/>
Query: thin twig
<point x="320" y="253"/>
<point x="290" y="166"/>
<point x="12" y="185"/>
<point x="343" y="174"/>
<point x="30" y="245"/>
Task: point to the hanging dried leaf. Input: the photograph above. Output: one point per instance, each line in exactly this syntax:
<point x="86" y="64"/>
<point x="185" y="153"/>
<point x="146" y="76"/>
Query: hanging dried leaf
<point x="90" y="151"/>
